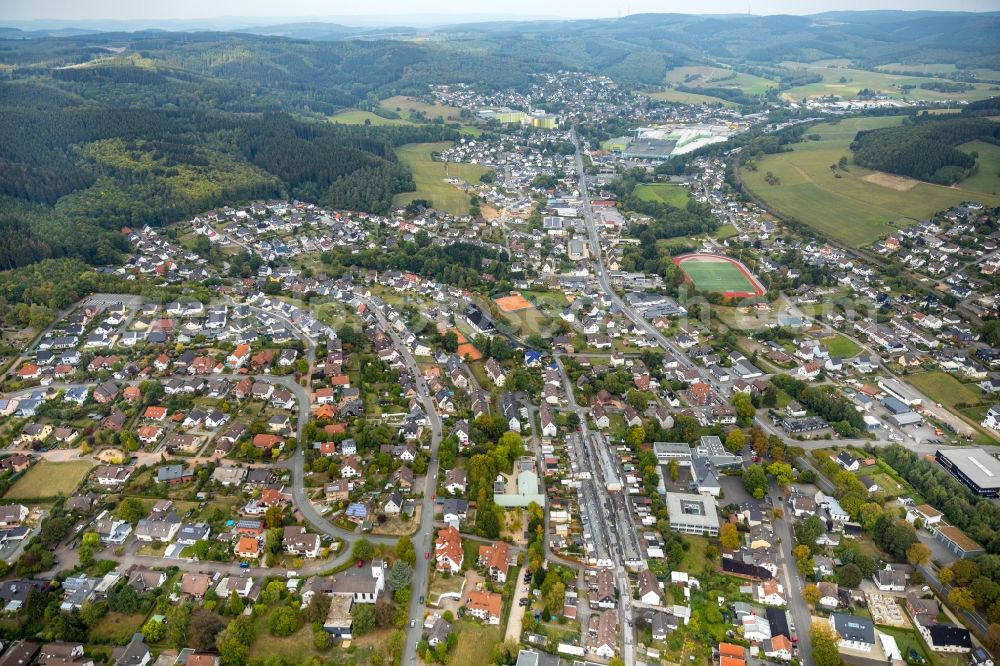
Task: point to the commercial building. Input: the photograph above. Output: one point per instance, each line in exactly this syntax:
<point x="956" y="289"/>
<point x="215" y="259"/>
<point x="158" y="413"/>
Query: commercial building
<point x="693" y="514"/>
<point x="976" y="468"/>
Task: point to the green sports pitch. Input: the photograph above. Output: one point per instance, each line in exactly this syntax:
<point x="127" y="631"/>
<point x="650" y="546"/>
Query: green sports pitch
<point x="715" y="273"/>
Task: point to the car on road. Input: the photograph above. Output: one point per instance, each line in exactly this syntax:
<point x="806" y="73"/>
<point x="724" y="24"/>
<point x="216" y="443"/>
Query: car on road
<point x="421" y="598"/>
<point x="413" y="623"/>
<point x="244" y="565"/>
<point x="524" y="601"/>
<point x="427" y="555"/>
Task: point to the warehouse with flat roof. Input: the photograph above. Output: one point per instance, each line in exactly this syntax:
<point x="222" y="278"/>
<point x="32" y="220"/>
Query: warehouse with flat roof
<point x="975" y="467"/>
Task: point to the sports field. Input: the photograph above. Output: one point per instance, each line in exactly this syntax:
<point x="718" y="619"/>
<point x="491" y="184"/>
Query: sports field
<point x="513" y="302"/>
<point x="466" y="348"/>
<point x="430" y="178"/>
<point x="857" y="206"/>
<point x="669" y="193"/>
<point x="719" y="274"/>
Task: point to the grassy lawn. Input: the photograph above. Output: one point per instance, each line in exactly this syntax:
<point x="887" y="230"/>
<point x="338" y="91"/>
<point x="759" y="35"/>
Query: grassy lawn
<point x="528" y="321"/>
<point x="668" y="193"/>
<point x="444" y="585"/>
<point x="404" y="106"/>
<point x="475" y="643"/>
<point x="689" y="98"/>
<point x="861" y="205"/>
<point x="555" y="300"/>
<point x="430" y="178"/>
<point x="725" y="231"/>
<point x="296" y="648"/>
<point x="356" y="117"/>
<point x="841" y="347"/>
<point x="48" y="479"/>
<point x="987" y="177"/>
<point x="117" y="627"/>
<point x="397" y="526"/>
<point x="906" y="640"/>
<point x="694" y="556"/>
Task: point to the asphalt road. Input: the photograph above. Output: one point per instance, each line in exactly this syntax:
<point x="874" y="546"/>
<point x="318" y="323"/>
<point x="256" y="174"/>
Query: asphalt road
<point x="423" y="540"/>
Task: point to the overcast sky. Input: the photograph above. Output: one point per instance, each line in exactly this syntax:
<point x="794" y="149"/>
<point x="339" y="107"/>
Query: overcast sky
<point x="19" y="10"/>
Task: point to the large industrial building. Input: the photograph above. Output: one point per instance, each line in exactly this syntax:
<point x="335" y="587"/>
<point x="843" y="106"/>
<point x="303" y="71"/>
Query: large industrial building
<point x="976" y="468"/>
<point x="660" y="143"/>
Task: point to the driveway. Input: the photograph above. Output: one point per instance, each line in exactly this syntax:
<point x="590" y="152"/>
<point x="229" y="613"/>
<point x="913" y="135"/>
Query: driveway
<point x="517" y="614"/>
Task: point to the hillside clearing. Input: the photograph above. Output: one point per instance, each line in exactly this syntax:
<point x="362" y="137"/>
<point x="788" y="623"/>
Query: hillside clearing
<point x="429" y="177"/>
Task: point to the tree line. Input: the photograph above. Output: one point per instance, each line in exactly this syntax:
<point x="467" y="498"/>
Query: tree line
<point x="978" y="517"/>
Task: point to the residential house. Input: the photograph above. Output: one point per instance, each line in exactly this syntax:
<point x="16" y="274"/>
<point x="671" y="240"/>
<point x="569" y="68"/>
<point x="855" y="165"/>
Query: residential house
<point x="494" y="559"/>
<point x="448" y="553"/>
<point x="484" y="606"/>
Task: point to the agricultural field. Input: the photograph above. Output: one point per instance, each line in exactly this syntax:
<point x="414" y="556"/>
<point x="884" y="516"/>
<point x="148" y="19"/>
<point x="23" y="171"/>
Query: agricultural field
<point x="679" y="97"/>
<point x="430" y="178"/>
<point x="704" y="76"/>
<point x="718" y="274"/>
<point x="930" y="69"/>
<point x="987" y="177"/>
<point x="845" y="82"/>
<point x="985" y="74"/>
<point x="938" y="68"/>
<point x="943" y="388"/>
<point x="404" y="106"/>
<point x="48" y="479"/>
<point x="861" y="205"/>
<point x="668" y="193"/>
<point x="356" y="117"/>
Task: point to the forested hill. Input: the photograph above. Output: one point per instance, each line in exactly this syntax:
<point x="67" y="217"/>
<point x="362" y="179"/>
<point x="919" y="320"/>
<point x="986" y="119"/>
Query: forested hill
<point x="106" y="131"/>
<point x="642" y="47"/>
<point x="925" y="147"/>
<point x="243" y="72"/>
